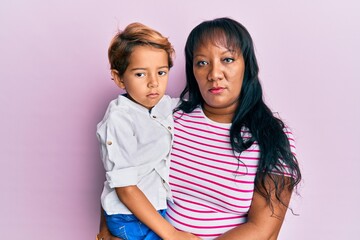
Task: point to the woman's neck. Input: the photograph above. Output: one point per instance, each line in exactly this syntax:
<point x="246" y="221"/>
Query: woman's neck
<point x="218" y="115"/>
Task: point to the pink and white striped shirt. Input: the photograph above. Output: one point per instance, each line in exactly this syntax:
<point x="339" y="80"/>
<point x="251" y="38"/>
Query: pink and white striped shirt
<point x="212" y="190"/>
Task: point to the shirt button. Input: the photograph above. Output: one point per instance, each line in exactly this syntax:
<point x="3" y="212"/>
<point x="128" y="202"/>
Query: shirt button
<point x="154" y="116"/>
<point x="169" y="128"/>
<point x="163" y="181"/>
<point x="109" y="142"/>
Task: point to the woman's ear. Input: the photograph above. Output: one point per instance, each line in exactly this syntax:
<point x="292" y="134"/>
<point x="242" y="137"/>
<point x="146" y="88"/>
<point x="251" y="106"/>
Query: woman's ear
<point x="117" y="79"/>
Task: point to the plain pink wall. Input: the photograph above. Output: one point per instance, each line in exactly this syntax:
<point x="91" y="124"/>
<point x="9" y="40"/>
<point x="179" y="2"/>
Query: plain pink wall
<point x="55" y="85"/>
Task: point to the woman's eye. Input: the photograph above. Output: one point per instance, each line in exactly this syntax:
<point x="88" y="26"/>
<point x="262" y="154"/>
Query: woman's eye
<point x="140" y="74"/>
<point x="228" y="60"/>
<point x="201" y="63"/>
<point x="162" y="73"/>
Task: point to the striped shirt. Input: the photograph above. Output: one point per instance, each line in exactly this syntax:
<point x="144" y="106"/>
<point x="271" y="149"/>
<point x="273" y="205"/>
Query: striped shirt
<point x="212" y="187"/>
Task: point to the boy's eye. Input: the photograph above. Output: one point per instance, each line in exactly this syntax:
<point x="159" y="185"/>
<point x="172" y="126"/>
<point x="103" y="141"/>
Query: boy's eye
<point x="162" y="73"/>
<point x="140" y="74"/>
<point x="228" y="60"/>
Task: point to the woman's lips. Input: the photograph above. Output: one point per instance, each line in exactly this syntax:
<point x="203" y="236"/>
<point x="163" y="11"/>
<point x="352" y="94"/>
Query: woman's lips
<point x="216" y="90"/>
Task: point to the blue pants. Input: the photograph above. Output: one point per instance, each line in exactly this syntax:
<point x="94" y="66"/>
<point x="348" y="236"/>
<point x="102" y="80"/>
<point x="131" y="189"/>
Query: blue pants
<point x="129" y="227"/>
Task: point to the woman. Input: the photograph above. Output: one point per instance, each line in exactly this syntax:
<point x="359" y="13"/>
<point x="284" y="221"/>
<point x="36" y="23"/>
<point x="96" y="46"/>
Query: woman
<point x="233" y="166"/>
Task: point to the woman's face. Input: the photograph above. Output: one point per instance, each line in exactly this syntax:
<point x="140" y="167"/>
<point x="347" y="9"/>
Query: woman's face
<point x="219" y="72"/>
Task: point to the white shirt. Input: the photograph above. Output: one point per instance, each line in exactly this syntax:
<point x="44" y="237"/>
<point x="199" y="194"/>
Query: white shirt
<point x="135" y="150"/>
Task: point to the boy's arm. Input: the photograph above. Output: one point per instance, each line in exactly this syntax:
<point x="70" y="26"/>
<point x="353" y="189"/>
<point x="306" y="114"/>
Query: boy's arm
<point x="136" y="201"/>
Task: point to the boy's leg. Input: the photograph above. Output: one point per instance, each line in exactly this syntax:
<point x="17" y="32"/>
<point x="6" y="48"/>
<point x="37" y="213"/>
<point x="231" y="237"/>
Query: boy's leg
<point x="127" y="227"/>
<point x="124" y="226"/>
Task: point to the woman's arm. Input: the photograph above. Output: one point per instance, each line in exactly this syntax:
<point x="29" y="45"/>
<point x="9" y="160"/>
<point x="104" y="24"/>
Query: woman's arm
<point x="263" y="222"/>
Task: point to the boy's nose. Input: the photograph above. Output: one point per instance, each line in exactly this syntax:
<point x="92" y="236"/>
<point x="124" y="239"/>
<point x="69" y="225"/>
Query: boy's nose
<point x="153" y="82"/>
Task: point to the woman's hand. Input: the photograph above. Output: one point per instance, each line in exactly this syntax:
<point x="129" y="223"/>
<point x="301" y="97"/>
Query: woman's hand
<point x="179" y="235"/>
<point x="106" y="235"/>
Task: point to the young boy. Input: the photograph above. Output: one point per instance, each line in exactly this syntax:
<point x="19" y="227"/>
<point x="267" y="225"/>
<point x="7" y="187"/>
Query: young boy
<point x="136" y="135"/>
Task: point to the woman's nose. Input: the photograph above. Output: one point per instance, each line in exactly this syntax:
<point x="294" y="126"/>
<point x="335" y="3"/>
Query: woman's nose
<point x="215" y="72"/>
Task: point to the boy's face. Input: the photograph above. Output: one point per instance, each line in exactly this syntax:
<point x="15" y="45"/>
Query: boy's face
<point x="146" y="77"/>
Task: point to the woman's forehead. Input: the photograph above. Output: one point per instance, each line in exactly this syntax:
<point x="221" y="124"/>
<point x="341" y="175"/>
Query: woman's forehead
<point x="206" y="45"/>
<point x="217" y="38"/>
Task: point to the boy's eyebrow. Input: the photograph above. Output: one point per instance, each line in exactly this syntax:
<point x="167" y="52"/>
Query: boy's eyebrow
<point x="136" y="69"/>
<point x="139" y="68"/>
<point x="166" y="66"/>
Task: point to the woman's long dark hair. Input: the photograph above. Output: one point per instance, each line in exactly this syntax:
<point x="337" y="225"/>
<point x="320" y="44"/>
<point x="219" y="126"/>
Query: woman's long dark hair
<point x="252" y="113"/>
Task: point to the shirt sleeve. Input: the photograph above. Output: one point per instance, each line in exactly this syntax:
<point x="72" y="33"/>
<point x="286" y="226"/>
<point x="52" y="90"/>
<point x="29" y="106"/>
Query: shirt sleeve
<point x="118" y="145"/>
<point x="283" y="168"/>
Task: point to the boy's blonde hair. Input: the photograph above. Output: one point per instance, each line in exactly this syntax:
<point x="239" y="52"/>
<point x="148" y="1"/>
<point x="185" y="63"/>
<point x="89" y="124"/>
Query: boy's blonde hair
<point x="135" y="34"/>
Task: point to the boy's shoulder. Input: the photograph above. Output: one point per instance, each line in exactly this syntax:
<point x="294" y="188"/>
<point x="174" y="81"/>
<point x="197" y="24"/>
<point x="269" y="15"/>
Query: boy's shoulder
<point x="116" y="111"/>
<point x="118" y="104"/>
<point x="168" y="102"/>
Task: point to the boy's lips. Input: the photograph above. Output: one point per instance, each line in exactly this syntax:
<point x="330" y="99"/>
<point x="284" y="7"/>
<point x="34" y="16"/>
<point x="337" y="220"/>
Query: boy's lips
<point x="153" y="95"/>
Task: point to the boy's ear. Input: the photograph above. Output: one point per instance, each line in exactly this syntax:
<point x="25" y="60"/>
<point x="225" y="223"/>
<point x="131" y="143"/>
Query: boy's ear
<point x="118" y="81"/>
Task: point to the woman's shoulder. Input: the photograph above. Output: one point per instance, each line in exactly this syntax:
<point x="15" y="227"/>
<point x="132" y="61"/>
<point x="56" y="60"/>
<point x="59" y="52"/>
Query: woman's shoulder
<point x="195" y="113"/>
<point x="287" y="130"/>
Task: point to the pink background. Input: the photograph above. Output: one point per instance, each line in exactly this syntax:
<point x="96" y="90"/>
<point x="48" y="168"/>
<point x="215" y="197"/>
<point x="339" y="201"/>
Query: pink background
<point x="55" y="86"/>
